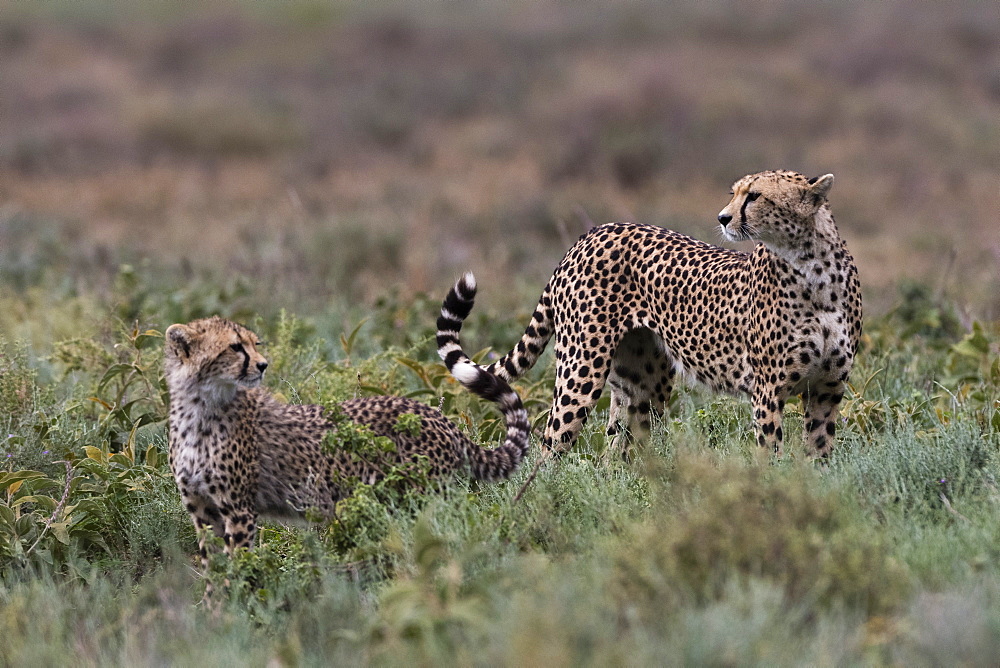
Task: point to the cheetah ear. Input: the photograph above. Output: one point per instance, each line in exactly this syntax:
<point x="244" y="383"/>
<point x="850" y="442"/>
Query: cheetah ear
<point x="820" y="186"/>
<point x="179" y="338"/>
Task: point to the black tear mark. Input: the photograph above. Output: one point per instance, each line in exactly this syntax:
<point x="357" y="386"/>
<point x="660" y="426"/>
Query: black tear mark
<point x="743" y="209"/>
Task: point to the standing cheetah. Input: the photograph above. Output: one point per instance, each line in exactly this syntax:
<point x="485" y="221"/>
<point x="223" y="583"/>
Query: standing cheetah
<point x="236" y="451"/>
<point x="632" y="305"/>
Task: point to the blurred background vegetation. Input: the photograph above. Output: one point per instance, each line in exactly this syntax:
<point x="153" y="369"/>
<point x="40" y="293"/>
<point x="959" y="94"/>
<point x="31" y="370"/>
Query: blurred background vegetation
<point x="333" y="152"/>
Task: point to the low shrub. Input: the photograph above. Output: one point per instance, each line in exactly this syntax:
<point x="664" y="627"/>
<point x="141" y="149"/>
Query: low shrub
<point x="721" y="521"/>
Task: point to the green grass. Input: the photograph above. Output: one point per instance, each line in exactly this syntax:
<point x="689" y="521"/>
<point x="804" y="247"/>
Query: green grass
<point x="698" y="551"/>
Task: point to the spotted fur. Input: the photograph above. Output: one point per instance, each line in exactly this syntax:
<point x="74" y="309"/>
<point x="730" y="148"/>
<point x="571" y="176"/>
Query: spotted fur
<point x="236" y="451"/>
<point x="634" y="305"/>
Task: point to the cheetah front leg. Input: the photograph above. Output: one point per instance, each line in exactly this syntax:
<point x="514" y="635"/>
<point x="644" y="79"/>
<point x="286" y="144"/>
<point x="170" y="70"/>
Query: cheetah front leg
<point x="208" y="523"/>
<point x="240" y="528"/>
<point x="235" y="525"/>
<point x="768" y="405"/>
<point x="820" y="420"/>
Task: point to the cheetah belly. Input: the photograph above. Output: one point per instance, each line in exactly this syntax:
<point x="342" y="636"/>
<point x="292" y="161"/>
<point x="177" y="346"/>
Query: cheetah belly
<point x="728" y="370"/>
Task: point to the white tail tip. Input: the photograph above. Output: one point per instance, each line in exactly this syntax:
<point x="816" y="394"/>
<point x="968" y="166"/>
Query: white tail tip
<point x="465" y="372"/>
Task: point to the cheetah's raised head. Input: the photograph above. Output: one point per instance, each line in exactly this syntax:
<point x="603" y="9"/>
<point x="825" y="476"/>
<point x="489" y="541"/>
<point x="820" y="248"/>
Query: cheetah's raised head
<point x="777" y="208"/>
<point x="218" y="355"/>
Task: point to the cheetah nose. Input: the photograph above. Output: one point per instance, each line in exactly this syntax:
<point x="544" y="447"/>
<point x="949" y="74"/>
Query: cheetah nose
<point x="261" y="366"/>
<point x="725" y="218"/>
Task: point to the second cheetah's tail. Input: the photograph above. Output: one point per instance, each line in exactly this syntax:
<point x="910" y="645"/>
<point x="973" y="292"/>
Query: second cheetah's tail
<point x="500" y="462"/>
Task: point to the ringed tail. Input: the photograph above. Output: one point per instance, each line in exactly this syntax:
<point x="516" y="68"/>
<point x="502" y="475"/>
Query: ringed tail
<point x="456" y="308"/>
<point x="500" y="462"/>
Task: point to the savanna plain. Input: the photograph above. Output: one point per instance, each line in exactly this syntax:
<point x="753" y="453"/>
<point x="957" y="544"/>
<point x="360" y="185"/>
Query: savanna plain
<point x="323" y="171"/>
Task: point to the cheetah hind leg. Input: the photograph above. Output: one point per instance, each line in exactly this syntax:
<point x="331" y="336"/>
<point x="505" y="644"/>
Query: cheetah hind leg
<point x="624" y="429"/>
<point x="641" y="381"/>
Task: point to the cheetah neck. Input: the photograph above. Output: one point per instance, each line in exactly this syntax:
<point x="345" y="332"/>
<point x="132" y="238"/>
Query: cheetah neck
<point x="212" y="395"/>
<point x="815" y="264"/>
<point x="196" y="408"/>
<point x="804" y="252"/>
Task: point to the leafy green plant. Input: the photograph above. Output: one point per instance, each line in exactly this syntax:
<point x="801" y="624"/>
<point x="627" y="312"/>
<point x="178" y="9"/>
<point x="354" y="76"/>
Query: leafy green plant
<point x="361" y="519"/>
<point x="408" y="423"/>
<point x="129" y="393"/>
<point x="355" y="440"/>
<point x="972" y="368"/>
<point x="284" y="567"/>
<point x="870" y="415"/>
<point x="99" y="509"/>
<point x="18" y="386"/>
<point x="436" y="614"/>
<point x="116" y="494"/>
<point x="42" y="524"/>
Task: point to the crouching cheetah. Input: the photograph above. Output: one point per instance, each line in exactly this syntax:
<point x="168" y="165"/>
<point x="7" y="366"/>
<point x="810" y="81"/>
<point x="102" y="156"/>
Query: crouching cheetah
<point x="632" y="305"/>
<point x="236" y="451"/>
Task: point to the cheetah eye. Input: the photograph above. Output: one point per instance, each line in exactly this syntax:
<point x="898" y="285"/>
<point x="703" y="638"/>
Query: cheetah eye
<point x="237" y="347"/>
<point x="752" y="196"/>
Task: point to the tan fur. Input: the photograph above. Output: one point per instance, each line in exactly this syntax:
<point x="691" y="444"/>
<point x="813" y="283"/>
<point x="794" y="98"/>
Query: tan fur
<point x="236" y="451"/>
<point x="631" y="305"/>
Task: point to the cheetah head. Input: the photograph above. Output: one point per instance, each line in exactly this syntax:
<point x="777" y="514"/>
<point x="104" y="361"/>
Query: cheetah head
<point x="218" y="355"/>
<point x="777" y="208"/>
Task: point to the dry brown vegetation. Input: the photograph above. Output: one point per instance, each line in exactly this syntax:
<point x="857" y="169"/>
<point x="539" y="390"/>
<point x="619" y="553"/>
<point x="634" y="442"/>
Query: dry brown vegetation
<point x="338" y="151"/>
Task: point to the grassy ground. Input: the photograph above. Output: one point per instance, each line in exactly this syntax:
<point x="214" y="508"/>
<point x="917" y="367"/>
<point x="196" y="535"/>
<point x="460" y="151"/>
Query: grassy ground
<point x="323" y="173"/>
<point x="699" y="551"/>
